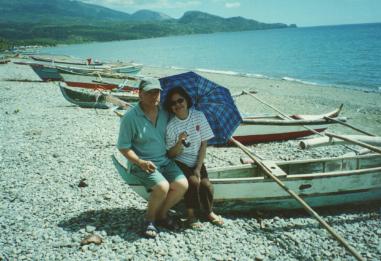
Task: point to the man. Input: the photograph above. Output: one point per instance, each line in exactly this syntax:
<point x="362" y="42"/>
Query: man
<point x="142" y="141"/>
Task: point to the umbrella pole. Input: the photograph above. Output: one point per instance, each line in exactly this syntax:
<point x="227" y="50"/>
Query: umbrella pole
<point x="301" y="201"/>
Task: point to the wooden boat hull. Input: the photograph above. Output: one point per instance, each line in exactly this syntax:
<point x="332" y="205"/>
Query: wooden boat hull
<point x="321" y="183"/>
<point x="122" y="69"/>
<point x="273" y="128"/>
<point x="93" y="100"/>
<point x="4" y="61"/>
<point x="127" y="69"/>
<point x="248" y="134"/>
<point x="46" y="73"/>
<point x="65" y="60"/>
<point x="94" y="82"/>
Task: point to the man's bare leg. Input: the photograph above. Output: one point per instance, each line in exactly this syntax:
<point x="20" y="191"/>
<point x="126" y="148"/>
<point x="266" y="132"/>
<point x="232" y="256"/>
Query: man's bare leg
<point x="176" y="192"/>
<point x="156" y="200"/>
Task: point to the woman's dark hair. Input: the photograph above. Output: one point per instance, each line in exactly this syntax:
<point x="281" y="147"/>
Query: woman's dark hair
<point x="180" y="91"/>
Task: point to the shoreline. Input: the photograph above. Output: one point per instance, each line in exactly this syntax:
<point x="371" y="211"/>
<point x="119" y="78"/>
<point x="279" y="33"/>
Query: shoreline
<point x="367" y="89"/>
<point x="49" y="146"/>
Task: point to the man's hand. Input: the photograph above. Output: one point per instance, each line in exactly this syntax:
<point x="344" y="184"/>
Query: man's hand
<point x="147" y="165"/>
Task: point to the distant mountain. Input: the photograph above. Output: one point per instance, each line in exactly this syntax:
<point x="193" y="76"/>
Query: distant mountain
<point x="64" y="11"/>
<point x="56" y="11"/>
<point x="148" y="15"/>
<point x="212" y="23"/>
<point x="49" y="22"/>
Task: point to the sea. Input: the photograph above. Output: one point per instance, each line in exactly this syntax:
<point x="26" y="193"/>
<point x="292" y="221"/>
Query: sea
<point x="345" y="56"/>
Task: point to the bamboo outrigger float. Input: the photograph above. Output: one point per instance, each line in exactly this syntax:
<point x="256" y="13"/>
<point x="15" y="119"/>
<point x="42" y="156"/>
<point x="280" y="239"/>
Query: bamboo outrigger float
<point x="324" y="141"/>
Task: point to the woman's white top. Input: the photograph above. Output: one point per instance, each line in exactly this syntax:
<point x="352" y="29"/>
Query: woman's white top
<point x="198" y="130"/>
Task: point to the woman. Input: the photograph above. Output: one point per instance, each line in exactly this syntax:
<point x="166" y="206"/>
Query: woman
<point x="187" y="135"/>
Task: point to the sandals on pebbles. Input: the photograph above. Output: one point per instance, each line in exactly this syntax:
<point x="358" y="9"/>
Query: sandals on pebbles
<point x="151" y="230"/>
<point x="217" y="221"/>
<point x="193" y="223"/>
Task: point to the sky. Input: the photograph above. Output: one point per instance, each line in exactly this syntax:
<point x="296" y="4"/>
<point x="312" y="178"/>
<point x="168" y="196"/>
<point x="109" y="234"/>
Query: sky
<point x="300" y="12"/>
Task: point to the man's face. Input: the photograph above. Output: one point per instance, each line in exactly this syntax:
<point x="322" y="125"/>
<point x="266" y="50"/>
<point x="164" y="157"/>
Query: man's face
<point x="150" y="98"/>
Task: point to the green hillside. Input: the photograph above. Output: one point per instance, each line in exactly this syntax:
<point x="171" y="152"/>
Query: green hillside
<point x="49" y="22"/>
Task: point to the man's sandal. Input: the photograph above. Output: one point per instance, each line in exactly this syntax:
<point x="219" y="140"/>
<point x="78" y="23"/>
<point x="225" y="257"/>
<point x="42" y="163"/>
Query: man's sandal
<point x="151" y="231"/>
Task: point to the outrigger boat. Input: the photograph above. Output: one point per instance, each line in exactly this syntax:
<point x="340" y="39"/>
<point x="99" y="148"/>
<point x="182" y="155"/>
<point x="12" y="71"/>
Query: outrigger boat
<point x="65" y="60"/>
<point x="91" y="99"/>
<point x="83" y="66"/>
<point x="100" y="80"/>
<point x="4" y="60"/>
<point x="320" y="182"/>
<point x="52" y="72"/>
<point x="255" y="129"/>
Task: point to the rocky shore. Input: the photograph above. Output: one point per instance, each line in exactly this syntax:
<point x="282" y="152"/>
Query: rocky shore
<point x="58" y="184"/>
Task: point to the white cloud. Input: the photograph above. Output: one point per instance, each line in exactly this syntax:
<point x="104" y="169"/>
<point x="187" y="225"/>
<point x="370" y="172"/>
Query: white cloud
<point x="232" y="5"/>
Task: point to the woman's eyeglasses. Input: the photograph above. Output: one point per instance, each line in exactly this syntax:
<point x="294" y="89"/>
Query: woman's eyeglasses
<point x="179" y="101"/>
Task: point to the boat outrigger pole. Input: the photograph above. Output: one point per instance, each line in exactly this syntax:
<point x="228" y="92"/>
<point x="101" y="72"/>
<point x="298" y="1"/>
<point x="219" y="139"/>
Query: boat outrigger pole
<point x="349" y="125"/>
<point x="269" y="173"/>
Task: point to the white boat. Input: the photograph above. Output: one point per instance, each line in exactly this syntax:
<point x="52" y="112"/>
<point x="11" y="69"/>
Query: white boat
<point x="320" y="182"/>
<point x="255" y="129"/>
<point x="86" y="98"/>
<point x="100" y="80"/>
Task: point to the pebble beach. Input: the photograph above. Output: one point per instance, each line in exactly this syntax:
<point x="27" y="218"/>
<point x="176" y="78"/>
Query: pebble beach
<point x="58" y="185"/>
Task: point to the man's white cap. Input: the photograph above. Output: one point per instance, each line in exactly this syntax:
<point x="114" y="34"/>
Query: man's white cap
<point x="148" y="84"/>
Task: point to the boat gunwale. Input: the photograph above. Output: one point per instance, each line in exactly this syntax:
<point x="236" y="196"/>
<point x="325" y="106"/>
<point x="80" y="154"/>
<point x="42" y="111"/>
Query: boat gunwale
<point x="295" y="177"/>
<point x="291" y="177"/>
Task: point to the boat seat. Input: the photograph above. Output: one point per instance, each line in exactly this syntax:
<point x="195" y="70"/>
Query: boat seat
<point x="275" y="170"/>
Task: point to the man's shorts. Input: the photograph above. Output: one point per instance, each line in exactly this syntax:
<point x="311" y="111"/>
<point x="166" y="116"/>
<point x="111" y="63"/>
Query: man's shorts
<point x="169" y="172"/>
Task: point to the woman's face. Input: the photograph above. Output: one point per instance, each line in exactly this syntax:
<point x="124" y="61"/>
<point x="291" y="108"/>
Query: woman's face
<point x="179" y="105"/>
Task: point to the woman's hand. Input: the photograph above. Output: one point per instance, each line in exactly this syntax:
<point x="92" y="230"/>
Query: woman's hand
<point x="147" y="165"/>
<point x="197" y="172"/>
<point x="182" y="136"/>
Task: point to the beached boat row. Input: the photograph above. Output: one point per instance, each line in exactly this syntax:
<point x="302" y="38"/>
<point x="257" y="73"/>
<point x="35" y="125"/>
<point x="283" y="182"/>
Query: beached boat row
<point x="253" y="129"/>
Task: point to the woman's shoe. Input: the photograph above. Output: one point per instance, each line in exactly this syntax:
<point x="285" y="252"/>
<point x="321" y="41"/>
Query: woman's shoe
<point x="193" y="223"/>
<point x="216" y="220"/>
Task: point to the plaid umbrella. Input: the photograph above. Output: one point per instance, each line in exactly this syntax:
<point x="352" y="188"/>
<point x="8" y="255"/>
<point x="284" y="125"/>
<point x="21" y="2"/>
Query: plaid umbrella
<point x="212" y="99"/>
